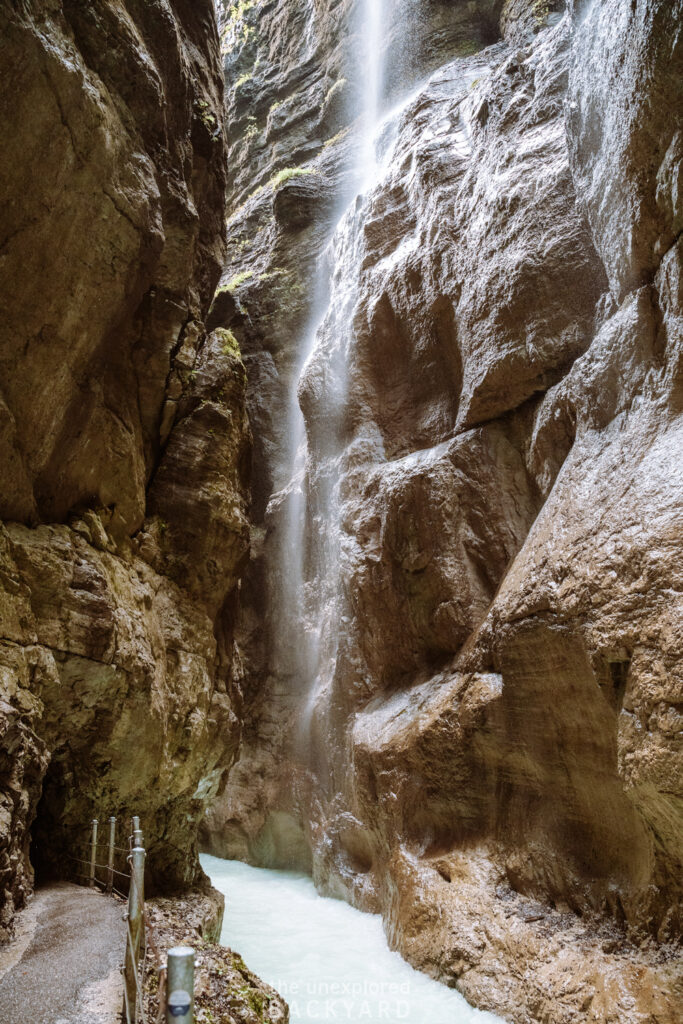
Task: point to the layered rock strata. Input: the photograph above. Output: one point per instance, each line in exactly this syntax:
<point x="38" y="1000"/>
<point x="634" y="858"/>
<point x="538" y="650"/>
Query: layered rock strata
<point x="124" y="443"/>
<point x="488" y="748"/>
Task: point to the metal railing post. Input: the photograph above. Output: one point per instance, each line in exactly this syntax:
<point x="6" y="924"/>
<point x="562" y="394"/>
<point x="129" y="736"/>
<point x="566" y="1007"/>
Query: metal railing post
<point x="180" y="986"/>
<point x="136" y="906"/>
<point x="110" y="859"/>
<point x="137" y="832"/>
<point x="93" y="853"/>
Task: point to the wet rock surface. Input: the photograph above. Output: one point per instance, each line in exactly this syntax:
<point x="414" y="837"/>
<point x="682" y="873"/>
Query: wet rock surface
<point x="469" y="722"/>
<point x="124" y="442"/>
<point x="226" y="991"/>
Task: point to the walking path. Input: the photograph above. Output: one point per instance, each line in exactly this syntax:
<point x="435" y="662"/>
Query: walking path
<point x="63" y="965"/>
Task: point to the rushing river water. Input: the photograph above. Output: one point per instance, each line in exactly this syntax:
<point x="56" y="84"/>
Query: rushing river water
<point x="329" y="961"/>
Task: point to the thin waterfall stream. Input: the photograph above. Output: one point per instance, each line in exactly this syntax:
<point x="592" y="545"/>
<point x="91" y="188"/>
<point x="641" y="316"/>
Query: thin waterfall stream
<point x="310" y="602"/>
<point x="329" y="961"/>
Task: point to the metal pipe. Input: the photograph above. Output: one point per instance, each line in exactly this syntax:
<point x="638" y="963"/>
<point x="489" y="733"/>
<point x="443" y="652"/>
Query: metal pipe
<point x="110" y="859"/>
<point x="136" y="906"/>
<point x="137" y="834"/>
<point x="93" y="853"/>
<point x="180" y="985"/>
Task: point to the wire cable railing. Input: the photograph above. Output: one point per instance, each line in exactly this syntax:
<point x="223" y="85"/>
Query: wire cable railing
<point x="172" y="1001"/>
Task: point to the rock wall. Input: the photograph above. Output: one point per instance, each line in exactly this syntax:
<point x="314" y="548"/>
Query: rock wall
<point x="490" y="752"/>
<point x="124" y="443"/>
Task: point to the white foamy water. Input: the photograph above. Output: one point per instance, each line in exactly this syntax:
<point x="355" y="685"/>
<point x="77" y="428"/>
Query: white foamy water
<point x="329" y="961"/>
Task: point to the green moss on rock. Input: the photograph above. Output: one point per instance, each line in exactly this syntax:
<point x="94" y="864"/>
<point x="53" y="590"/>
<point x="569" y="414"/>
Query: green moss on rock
<point x="230" y="346"/>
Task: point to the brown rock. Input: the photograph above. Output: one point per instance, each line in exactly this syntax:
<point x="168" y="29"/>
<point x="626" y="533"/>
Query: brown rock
<point x="225" y="988"/>
<point x="433" y="544"/>
<point x="112" y="112"/>
<point x="488" y="750"/>
<point x="123" y="695"/>
<point x="200" y="486"/>
<point x="624" y="142"/>
<point x="117" y="690"/>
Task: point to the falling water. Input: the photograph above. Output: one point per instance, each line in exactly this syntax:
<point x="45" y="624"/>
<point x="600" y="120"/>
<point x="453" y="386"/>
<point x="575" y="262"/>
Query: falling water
<point x="373" y="35"/>
<point x="308" y="552"/>
<point x="309" y="605"/>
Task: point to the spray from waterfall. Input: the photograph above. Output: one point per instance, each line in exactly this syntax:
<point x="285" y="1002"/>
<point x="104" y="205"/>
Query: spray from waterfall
<point x="305" y="505"/>
<point x="311" y="602"/>
<point x="373" y="38"/>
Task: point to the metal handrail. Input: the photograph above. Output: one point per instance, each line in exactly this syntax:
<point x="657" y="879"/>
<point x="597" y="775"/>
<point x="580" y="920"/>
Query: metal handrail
<point x="178" y="973"/>
<point x="139" y="929"/>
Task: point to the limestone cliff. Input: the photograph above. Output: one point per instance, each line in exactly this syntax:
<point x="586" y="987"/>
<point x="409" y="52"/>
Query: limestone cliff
<point x="466" y="714"/>
<point x="124" y="444"/>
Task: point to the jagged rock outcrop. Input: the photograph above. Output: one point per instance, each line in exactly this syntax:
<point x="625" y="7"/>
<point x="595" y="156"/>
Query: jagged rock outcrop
<point x="225" y="988"/>
<point x="485" y="745"/>
<point x="124" y="444"/>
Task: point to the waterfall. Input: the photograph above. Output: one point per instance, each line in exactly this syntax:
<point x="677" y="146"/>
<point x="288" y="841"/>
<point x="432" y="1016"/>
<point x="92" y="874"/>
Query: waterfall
<point x="309" y="603"/>
<point x="305" y="507"/>
<point x="373" y="36"/>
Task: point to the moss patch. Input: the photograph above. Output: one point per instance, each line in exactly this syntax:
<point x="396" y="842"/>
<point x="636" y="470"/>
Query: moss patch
<point x="336" y="138"/>
<point x="230" y="346"/>
<point x="206" y="116"/>
<point x="237" y="280"/>
<point x="469" y="47"/>
<point x="252" y="129"/>
<point x="236" y="29"/>
<point x="334" y="90"/>
<point x="290" y="172"/>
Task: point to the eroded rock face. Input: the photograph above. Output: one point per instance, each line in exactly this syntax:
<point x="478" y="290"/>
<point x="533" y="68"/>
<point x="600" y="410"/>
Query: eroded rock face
<point x="469" y="719"/>
<point x="124" y="443"/>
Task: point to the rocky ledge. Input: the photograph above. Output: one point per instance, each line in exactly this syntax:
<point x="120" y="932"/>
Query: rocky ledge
<point x="226" y="991"/>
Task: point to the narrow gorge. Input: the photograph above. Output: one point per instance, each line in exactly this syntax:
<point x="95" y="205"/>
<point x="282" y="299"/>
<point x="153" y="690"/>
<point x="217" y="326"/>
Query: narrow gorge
<point x="341" y="381"/>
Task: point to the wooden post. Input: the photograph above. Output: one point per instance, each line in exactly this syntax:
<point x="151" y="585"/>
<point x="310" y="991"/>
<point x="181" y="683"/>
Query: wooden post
<point x="110" y="859"/>
<point x="136" y="905"/>
<point x="93" y="853"/>
<point x="180" y="986"/>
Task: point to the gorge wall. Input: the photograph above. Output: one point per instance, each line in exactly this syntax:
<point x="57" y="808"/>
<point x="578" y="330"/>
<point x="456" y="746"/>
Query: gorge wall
<point x="463" y="675"/>
<point x="124" y="443"/>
